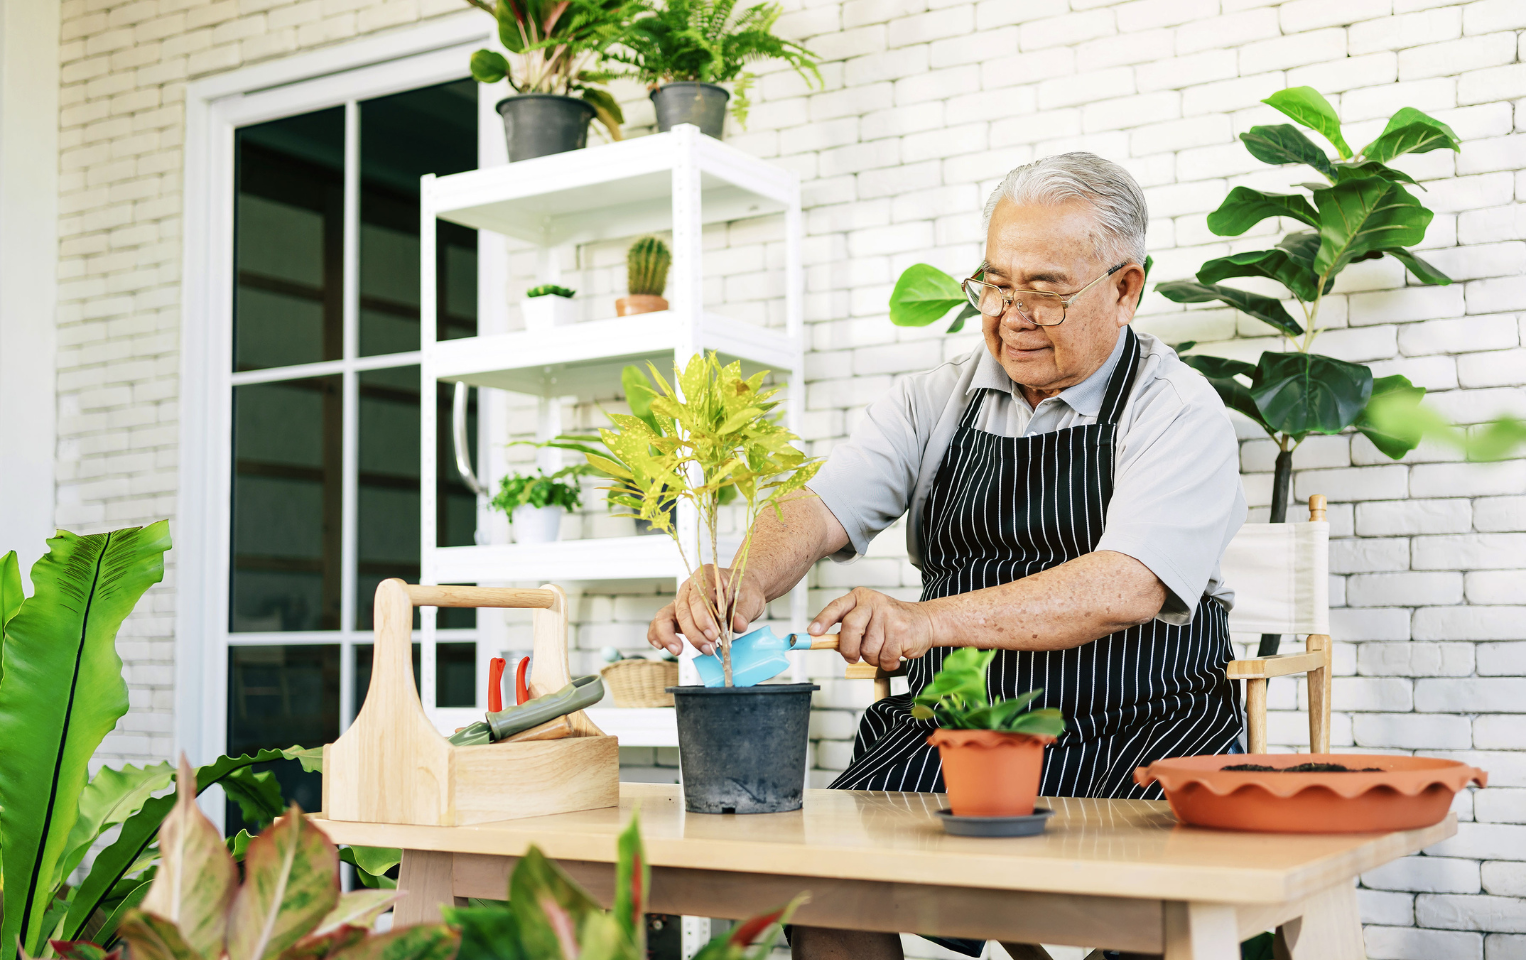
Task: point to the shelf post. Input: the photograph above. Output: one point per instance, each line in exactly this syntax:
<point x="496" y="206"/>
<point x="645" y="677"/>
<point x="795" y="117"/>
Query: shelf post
<point x="428" y="429"/>
<point x="686" y="282"/>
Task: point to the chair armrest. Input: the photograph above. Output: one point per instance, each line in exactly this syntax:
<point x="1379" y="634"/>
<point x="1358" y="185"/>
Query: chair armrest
<point x="1281" y="665"/>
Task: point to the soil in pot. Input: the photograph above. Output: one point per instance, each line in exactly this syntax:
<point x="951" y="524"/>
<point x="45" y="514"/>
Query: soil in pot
<point x="988" y="773"/>
<point x="540" y="124"/>
<point x="702" y="104"/>
<point x="742" y="749"/>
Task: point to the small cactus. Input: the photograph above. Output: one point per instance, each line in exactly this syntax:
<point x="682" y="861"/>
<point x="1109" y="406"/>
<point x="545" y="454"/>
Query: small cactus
<point x="646" y="267"/>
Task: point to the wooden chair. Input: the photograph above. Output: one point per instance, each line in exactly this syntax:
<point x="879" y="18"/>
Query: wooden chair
<point x="1280" y="573"/>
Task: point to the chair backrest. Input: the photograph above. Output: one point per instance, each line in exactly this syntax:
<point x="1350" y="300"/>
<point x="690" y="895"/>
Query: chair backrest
<point x="1280" y="573"/>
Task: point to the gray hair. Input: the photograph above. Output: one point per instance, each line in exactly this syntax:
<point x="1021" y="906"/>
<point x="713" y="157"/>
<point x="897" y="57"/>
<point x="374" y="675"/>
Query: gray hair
<point x="1115" y="197"/>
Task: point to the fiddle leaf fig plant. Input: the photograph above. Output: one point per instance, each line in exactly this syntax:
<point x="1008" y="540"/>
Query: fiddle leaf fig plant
<point x="712" y="429"/>
<point x="957" y="699"/>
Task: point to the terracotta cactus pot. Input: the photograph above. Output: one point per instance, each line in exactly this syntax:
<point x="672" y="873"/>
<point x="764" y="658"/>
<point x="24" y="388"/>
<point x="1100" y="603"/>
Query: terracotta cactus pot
<point x="639" y="303"/>
<point x="1405" y="793"/>
<point x="988" y="773"/>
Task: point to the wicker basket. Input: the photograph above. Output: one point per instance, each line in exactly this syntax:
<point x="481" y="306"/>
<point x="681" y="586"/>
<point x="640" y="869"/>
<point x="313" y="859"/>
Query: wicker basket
<point x="641" y="683"/>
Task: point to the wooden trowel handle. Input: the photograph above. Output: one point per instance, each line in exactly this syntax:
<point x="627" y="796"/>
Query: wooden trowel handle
<point x="817" y="643"/>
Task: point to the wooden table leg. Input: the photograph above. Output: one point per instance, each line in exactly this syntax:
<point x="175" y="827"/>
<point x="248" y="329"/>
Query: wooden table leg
<point x="1330" y="928"/>
<point x="425" y="878"/>
<point x="1201" y="931"/>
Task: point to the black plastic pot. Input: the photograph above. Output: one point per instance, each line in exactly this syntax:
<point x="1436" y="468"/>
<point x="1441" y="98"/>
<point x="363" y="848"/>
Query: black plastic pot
<point x="540" y="124"/>
<point x="702" y="104"/>
<point x="742" y="749"/>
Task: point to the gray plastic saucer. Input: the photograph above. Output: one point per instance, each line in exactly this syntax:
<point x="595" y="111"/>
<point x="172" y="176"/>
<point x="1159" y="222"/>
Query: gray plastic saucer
<point x="1028" y="826"/>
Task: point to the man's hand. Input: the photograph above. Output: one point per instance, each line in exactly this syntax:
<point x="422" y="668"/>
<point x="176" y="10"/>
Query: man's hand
<point x="876" y="628"/>
<point x="689" y="615"/>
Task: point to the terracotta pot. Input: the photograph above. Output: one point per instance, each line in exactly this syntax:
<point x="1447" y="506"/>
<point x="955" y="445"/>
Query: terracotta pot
<point x="988" y="773"/>
<point x="1405" y="794"/>
<point x="639" y="303"/>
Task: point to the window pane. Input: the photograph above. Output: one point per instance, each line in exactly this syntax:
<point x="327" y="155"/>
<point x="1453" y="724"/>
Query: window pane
<point x="286" y="506"/>
<point x="403" y="137"/>
<point x="289" y="241"/>
<point x="455" y="673"/>
<point x="388" y="488"/>
<point x="277" y="697"/>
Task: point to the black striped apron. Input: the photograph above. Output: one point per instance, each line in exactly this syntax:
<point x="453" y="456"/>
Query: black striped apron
<point x="1002" y="508"/>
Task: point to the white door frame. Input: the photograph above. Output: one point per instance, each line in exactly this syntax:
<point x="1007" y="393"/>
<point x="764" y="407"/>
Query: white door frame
<point x="432" y="52"/>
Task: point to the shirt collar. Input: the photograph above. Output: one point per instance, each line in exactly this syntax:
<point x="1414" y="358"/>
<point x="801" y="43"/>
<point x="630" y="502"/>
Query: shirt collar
<point x="1085" y="397"/>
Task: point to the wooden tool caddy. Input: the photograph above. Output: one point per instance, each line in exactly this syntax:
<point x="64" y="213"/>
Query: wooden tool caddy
<point x="392" y="766"/>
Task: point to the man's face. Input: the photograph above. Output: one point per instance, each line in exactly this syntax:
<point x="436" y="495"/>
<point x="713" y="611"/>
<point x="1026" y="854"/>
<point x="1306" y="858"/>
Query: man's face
<point x="1039" y="247"/>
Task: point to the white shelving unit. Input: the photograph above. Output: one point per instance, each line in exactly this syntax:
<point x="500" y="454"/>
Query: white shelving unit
<point x="676" y="181"/>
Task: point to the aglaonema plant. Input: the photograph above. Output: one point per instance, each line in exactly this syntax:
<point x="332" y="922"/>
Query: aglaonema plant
<point x="958" y="699"/>
<point x="548" y="916"/>
<point x="713" y="429"/>
<point x="288" y="905"/>
<point x="1360" y="209"/>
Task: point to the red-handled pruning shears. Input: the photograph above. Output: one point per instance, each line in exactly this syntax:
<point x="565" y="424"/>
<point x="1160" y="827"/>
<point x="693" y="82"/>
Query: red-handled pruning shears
<point x="521" y="681"/>
<point x="495" y="684"/>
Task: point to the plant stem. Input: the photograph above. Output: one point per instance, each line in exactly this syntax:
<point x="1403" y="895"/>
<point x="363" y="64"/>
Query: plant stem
<point x="1282" y="481"/>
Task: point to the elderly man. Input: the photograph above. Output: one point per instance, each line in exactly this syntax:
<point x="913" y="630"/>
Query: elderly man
<point x="1069" y="490"/>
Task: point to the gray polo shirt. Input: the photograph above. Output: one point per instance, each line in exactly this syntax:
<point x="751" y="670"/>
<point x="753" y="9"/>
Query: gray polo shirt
<point x="1177" y="498"/>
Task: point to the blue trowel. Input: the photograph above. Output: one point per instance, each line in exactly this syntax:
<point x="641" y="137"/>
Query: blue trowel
<point x="758" y="656"/>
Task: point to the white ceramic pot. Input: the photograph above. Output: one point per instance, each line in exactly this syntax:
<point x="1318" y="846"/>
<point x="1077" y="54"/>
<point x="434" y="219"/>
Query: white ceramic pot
<point x="543" y="313"/>
<point x="537" y="524"/>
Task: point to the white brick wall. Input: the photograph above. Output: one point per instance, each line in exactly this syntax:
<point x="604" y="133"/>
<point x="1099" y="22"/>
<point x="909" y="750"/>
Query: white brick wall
<point x="926" y="103"/>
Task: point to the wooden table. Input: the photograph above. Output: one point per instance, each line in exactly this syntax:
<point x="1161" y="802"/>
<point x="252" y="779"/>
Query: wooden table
<point x="1120" y="874"/>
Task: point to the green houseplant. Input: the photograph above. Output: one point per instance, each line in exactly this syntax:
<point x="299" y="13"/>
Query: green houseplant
<point x="287" y="905"/>
<point x="992" y="753"/>
<point x="711" y="429"/>
<point x="537" y="501"/>
<point x="684" y="49"/>
<point x="646" y="277"/>
<point x="547" y="306"/>
<point x="548" y="916"/>
<point x="559" y="48"/>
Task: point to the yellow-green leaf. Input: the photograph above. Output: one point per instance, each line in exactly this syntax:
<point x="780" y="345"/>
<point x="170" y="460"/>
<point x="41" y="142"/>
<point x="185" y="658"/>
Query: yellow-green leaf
<point x="291" y="882"/>
<point x="196" y="877"/>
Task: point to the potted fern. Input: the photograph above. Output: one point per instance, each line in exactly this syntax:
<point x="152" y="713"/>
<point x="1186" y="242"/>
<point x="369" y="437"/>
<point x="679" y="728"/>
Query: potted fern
<point x="547" y="306"/>
<point x="559" y="49"/>
<point x="683" y="50"/>
<point x="646" y="277"/>
<point x="742" y="748"/>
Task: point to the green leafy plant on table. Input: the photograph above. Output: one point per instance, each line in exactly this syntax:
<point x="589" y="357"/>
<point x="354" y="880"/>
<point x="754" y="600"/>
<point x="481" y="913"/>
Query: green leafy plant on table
<point x="540" y="489"/>
<point x="560" y="47"/>
<point x="288" y="905"/>
<point x="958" y="699"/>
<point x="549" y="290"/>
<point x="712" y="429"/>
<point x="52" y="813"/>
<point x="710" y="41"/>
<point x="548" y="916"/>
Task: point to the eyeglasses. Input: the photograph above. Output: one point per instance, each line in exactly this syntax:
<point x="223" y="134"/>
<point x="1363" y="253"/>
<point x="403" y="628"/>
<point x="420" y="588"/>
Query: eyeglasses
<point x="1038" y="307"/>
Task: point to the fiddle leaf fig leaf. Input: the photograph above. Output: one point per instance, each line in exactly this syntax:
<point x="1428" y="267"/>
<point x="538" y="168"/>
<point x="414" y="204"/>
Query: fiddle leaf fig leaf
<point x="1399" y="431"/>
<point x="1284" y="143"/>
<point x="1263" y="308"/>
<point x="1372" y="168"/>
<point x="1359" y="217"/>
<point x="1421" y="269"/>
<point x="1303" y="393"/>
<point x="922" y="295"/>
<point x="1410" y="131"/>
<point x="1307" y="107"/>
<point x="1245" y="207"/>
<point x="963" y="315"/>
<point x="1220" y="373"/>
<point x="1290" y="271"/>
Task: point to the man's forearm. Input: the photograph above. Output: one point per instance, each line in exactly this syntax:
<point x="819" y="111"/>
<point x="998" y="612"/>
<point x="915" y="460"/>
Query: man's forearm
<point x="782" y="553"/>
<point x="1074" y="603"/>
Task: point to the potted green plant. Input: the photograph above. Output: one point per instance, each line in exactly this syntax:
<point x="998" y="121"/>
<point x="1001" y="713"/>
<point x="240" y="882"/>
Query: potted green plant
<point x="547" y="306"/>
<point x="559" y="47"/>
<point x="683" y="50"/>
<point x="992" y="753"/>
<point x="536" y="502"/>
<point x="742" y="748"/>
<point x="646" y="277"/>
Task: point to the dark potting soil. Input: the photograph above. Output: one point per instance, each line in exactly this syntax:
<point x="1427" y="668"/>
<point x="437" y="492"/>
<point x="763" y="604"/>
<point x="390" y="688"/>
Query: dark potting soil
<point x="1300" y="768"/>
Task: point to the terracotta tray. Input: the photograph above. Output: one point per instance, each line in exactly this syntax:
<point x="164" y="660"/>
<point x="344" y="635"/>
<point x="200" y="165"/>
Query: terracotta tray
<point x="1408" y="793"/>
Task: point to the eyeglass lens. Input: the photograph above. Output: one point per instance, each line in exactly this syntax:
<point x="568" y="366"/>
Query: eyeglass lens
<point x="1042" y="309"/>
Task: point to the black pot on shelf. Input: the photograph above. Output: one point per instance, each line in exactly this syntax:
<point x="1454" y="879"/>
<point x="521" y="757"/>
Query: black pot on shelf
<point x="743" y="749"/>
<point x="540" y="124"/>
<point x="702" y="104"/>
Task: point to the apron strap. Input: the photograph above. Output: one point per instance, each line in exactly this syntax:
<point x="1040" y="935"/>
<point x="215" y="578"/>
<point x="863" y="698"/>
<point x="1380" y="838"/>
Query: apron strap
<point x="1123" y="376"/>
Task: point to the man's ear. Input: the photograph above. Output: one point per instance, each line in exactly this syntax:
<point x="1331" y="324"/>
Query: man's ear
<point x="1128" y="284"/>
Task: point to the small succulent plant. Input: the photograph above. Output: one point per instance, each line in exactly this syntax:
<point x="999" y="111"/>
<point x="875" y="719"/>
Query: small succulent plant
<point x="550" y="290"/>
<point x="646" y="267"/>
